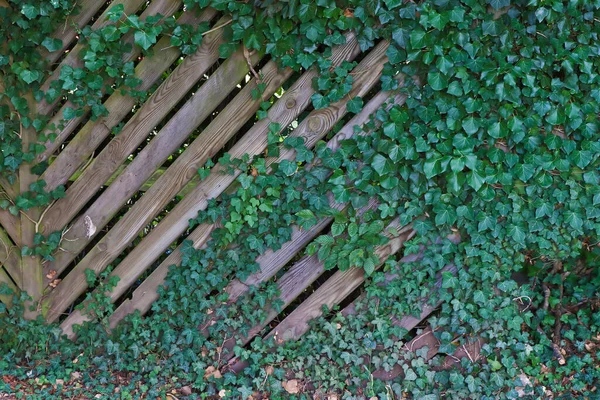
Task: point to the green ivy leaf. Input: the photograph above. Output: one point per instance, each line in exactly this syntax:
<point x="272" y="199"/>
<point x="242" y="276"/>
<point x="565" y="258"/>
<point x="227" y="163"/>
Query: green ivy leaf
<point x="381" y="165"/>
<point x="144" y="39"/>
<point x="355" y="105"/>
<point x="288" y="167"/>
<point x="437" y="81"/>
<point x="52" y="44"/>
<point x="29" y="76"/>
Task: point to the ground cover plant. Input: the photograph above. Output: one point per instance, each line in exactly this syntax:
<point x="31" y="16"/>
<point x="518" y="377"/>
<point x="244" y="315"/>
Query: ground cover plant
<point x="497" y="143"/>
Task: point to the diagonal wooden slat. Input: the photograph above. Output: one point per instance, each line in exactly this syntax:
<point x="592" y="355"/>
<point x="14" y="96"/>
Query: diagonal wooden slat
<point x="336" y="288"/>
<point x="10" y="258"/>
<point x="12" y="226"/>
<point x="74" y="57"/>
<point x="68" y="31"/>
<point x="149" y="70"/>
<point x="166" y="142"/>
<point x="168" y="94"/>
<point x="5" y="279"/>
<point x="227" y="123"/>
<point x="212" y="187"/>
<point x="167" y="8"/>
<point x="306" y="129"/>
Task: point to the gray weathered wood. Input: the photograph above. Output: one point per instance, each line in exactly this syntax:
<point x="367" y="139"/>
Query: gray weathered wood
<point x="10" y="258"/>
<point x="334" y="290"/>
<point x="168" y="94"/>
<point x="12" y="225"/>
<point x="166" y="8"/>
<point x="67" y="34"/>
<point x="212" y="189"/>
<point x="166" y="142"/>
<point x="93" y="133"/>
<point x="225" y="125"/>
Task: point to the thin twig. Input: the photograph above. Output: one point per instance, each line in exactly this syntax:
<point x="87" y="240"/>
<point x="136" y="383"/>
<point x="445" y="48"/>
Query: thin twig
<point x="249" y="62"/>
<point x="217" y="27"/>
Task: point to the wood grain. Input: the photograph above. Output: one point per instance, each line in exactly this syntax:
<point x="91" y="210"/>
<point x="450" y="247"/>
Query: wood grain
<point x="334" y="290"/>
<point x="165" y="8"/>
<point x="166" y="142"/>
<point x="10" y="258"/>
<point x="82" y="146"/>
<point x="12" y="226"/>
<point x="168" y="94"/>
<point x="284" y="111"/>
<point x="319" y="122"/>
<point x="227" y="123"/>
<point x="6" y="299"/>
<point x="67" y="34"/>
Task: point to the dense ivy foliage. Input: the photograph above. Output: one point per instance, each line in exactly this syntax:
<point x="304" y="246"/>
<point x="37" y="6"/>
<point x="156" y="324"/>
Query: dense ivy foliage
<point x="498" y="141"/>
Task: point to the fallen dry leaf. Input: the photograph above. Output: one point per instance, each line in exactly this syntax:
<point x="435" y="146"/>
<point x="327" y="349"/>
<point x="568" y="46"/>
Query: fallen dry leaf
<point x="291" y="386"/>
<point x="55" y="283"/>
<point x="212" y="371"/>
<point x="186" y="390"/>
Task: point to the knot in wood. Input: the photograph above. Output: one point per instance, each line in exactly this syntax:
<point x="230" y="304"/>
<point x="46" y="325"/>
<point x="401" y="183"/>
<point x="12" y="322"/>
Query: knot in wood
<point x="290" y="103"/>
<point x="314" y="124"/>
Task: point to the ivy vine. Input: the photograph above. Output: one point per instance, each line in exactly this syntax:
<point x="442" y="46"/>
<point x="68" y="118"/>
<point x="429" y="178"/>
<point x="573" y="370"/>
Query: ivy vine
<point x="498" y="141"/>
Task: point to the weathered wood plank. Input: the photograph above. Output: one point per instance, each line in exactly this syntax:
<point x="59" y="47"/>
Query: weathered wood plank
<point x="225" y="125"/>
<point x="319" y="122"/>
<point x="308" y="126"/>
<point x="284" y="111"/>
<point x="168" y="94"/>
<point x="270" y="261"/>
<point x="340" y="285"/>
<point x="7" y="189"/>
<point x="166" y="142"/>
<point x="31" y="265"/>
<point x="332" y="292"/>
<point x="166" y="7"/>
<point x="12" y="225"/>
<point x="10" y="258"/>
<point x="4" y="278"/>
<point x="67" y="33"/>
<point x="149" y="70"/>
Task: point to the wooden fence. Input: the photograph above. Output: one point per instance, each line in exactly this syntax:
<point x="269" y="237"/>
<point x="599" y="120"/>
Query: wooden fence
<point x="103" y="216"/>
